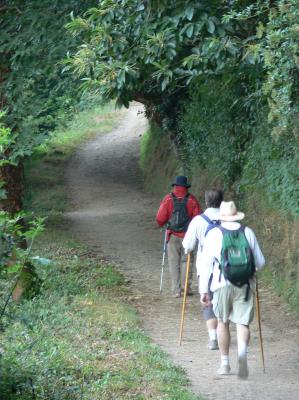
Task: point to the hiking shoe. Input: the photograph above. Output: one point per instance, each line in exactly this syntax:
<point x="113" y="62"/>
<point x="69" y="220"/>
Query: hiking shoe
<point x="224" y="370"/>
<point x="177" y="295"/>
<point x="213" y="345"/>
<point x="242" y="368"/>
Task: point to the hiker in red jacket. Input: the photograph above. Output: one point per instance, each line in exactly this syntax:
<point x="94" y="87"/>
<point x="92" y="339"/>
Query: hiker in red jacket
<point x="176" y="211"/>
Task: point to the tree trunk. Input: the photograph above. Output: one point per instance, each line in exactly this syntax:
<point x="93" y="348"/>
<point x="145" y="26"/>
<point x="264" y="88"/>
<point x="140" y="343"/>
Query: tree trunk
<point x="13" y="176"/>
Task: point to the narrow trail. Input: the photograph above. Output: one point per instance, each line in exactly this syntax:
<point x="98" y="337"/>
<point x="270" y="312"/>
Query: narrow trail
<point x="115" y="218"/>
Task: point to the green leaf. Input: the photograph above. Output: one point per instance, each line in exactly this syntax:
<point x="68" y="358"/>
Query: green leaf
<point x="260" y="30"/>
<point x="210" y="26"/>
<point x="231" y="49"/>
<point x="189" y="12"/>
<point x="164" y="84"/>
<point x="140" y="7"/>
<point x="14" y="268"/>
<point x="189" y="31"/>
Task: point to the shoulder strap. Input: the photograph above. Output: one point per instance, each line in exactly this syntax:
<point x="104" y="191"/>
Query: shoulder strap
<point x="186" y="199"/>
<point x="177" y="201"/>
<point x="211" y="223"/>
<point x="206" y="218"/>
<point x="224" y="230"/>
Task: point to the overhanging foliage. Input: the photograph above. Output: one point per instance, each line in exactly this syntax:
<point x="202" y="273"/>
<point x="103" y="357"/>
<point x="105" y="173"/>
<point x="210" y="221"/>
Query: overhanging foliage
<point x="33" y="90"/>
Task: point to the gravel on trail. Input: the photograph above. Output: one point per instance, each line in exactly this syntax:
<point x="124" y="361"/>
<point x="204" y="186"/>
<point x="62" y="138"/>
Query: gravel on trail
<point x="113" y="215"/>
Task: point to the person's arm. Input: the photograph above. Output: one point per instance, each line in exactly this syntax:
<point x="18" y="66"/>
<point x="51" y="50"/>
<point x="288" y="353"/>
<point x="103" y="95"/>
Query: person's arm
<point x="164" y="212"/>
<point x="210" y="254"/>
<point x="205" y="273"/>
<point x="207" y="263"/>
<point x="190" y="238"/>
<point x="259" y="259"/>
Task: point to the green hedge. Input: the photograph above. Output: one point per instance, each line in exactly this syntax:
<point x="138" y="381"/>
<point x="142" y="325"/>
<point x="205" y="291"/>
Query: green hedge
<point x="225" y="130"/>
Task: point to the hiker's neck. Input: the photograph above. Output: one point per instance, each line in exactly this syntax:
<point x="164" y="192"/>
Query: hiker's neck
<point x="231" y="225"/>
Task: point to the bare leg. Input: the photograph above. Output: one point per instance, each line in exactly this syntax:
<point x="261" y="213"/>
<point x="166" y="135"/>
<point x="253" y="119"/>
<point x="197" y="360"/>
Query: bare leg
<point x="243" y="337"/>
<point x="224" y="342"/>
<point x="212" y="323"/>
<point x="223" y="337"/>
<point x="212" y="330"/>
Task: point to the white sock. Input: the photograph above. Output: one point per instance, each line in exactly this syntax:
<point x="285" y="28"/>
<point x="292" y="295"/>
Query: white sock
<point x="225" y="360"/>
<point x="213" y="334"/>
<point x="242" y="349"/>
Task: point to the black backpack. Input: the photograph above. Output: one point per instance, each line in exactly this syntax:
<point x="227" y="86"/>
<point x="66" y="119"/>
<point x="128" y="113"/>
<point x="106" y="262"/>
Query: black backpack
<point x="179" y="220"/>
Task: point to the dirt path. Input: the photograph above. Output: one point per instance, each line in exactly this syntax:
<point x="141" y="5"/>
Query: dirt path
<point x="115" y="218"/>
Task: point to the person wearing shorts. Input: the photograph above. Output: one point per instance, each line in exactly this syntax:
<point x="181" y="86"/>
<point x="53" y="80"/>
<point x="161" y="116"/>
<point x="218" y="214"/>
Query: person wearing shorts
<point x="194" y="239"/>
<point x="230" y="303"/>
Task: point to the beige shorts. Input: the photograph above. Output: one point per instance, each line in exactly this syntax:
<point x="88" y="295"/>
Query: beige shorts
<point x="229" y="304"/>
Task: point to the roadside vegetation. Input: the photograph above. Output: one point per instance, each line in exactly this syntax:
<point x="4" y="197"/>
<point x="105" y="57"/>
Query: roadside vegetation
<point x="277" y="231"/>
<point x="78" y="338"/>
<point x="45" y="168"/>
<point x="220" y="80"/>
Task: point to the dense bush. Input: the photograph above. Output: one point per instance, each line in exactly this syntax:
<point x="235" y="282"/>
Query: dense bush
<point x="225" y="133"/>
<point x="214" y="130"/>
<point x="242" y="125"/>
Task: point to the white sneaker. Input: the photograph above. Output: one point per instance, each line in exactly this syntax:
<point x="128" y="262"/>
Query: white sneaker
<point x="224" y="370"/>
<point x="242" y="368"/>
<point x="213" y="345"/>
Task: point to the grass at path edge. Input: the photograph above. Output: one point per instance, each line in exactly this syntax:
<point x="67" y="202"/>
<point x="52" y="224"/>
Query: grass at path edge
<point x="78" y="339"/>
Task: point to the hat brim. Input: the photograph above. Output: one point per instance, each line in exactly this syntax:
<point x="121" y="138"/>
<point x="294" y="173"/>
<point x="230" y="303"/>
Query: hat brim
<point x="231" y="218"/>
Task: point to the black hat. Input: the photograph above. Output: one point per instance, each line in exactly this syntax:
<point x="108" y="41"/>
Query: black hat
<point x="181" y="181"/>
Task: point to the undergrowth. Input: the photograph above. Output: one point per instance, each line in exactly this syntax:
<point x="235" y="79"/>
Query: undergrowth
<point x="45" y="171"/>
<point x="157" y="161"/>
<point x="78" y="339"/>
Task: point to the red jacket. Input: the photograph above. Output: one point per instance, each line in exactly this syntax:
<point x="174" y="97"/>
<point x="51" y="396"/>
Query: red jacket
<point x="166" y="207"/>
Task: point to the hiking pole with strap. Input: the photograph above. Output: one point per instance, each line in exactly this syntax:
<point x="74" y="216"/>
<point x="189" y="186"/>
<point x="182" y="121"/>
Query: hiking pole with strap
<point x="258" y="314"/>
<point x="163" y="259"/>
<point x="185" y="296"/>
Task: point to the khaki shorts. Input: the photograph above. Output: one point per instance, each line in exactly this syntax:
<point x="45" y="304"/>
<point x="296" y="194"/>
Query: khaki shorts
<point x="229" y="304"/>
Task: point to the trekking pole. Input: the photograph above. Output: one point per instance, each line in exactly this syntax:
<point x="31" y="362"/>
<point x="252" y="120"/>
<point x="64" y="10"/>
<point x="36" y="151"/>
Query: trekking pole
<point x="185" y="296"/>
<point x="258" y="314"/>
<point x="163" y="259"/>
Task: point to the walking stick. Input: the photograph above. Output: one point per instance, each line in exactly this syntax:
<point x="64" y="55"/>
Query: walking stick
<point x="258" y="314"/>
<point x="163" y="259"/>
<point x="185" y="296"/>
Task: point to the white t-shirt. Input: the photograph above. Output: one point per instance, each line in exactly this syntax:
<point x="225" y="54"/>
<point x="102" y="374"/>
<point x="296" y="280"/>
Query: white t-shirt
<point x="195" y="234"/>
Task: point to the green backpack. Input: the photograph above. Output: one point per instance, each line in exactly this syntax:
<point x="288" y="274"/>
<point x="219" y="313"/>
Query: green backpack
<point x="237" y="262"/>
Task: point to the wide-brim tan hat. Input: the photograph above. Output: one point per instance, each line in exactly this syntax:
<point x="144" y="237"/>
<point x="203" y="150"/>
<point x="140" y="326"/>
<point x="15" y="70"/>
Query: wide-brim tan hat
<point x="228" y="212"/>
